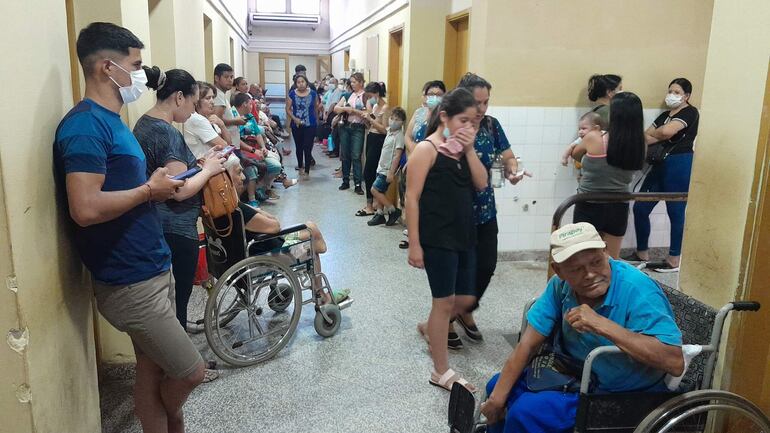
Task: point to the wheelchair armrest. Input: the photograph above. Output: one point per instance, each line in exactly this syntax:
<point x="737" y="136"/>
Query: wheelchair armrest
<point x="585" y="381"/>
<point x="286" y="231"/>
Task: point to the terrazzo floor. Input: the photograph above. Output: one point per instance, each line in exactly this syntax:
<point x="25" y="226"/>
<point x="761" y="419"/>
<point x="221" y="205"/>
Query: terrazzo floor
<point x="372" y="376"/>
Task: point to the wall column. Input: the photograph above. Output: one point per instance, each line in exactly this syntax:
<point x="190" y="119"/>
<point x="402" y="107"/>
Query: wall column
<point x="49" y="380"/>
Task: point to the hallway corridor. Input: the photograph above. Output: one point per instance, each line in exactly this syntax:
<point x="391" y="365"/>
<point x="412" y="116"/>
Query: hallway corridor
<point x="373" y="375"/>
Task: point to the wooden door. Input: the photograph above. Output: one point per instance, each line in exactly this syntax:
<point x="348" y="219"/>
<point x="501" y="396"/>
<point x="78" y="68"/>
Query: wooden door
<point x="395" y="66"/>
<point x="456" y="48"/>
<point x="346" y="62"/>
<point x="749" y="368"/>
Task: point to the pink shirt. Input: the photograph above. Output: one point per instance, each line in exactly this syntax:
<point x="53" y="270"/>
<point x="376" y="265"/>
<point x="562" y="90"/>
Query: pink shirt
<point x="356" y="100"/>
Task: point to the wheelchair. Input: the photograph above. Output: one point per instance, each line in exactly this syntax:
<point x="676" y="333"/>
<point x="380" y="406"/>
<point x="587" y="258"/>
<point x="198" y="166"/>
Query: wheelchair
<point x="255" y="297"/>
<point x="684" y="410"/>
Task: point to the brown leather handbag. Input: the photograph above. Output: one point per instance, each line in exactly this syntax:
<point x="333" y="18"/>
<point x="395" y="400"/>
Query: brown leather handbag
<point x="219" y="199"/>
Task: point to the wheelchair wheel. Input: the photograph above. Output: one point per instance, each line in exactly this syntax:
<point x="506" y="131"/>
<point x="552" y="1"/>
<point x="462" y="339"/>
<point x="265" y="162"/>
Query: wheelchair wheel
<point x="280" y="297"/>
<point x="327" y="328"/>
<point x="699" y="403"/>
<point x="240" y="325"/>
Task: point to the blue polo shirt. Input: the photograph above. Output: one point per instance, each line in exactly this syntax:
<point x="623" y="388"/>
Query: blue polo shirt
<point x="633" y="301"/>
<point x="129" y="248"/>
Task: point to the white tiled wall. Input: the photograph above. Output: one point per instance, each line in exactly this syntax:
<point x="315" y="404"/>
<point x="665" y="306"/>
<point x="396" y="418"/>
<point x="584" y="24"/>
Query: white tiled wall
<point x="539" y="135"/>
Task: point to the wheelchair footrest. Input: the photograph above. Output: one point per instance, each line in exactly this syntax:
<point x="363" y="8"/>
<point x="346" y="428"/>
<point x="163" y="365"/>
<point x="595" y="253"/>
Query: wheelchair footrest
<point x="345" y="303"/>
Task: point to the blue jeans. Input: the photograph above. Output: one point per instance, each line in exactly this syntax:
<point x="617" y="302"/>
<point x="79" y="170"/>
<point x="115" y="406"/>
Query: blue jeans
<point x="351" y="147"/>
<point x="671" y="176"/>
<point x="535" y="412"/>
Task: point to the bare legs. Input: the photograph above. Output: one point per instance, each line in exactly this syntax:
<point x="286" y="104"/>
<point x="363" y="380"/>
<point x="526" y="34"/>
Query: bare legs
<point x="319" y="246"/>
<point x="613" y="245"/>
<point x="437" y="327"/>
<point x="159" y="399"/>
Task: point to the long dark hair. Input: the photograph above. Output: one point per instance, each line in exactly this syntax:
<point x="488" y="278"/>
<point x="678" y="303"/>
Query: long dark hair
<point x="170" y="82"/>
<point x="626" y="148"/>
<point x="453" y="103"/>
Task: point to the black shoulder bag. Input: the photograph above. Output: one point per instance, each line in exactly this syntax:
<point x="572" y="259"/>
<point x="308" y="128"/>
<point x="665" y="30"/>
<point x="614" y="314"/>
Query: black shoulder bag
<point x="658" y="152"/>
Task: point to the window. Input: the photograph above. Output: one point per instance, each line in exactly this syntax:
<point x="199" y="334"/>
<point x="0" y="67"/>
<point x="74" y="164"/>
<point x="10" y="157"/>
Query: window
<point x="309" y="7"/>
<point x="271" y="6"/>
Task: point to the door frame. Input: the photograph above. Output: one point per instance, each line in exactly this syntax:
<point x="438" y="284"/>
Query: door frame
<point x="395" y="72"/>
<point x="743" y="357"/>
<point x="450" y="42"/>
<point x="285" y="58"/>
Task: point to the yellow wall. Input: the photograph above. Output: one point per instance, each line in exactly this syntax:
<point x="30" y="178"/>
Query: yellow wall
<point x="426" y="47"/>
<point x="358" y="48"/>
<point x="542" y="53"/>
<point x="726" y="149"/>
<point x="58" y="363"/>
<point x="725" y="157"/>
<point x="252" y="68"/>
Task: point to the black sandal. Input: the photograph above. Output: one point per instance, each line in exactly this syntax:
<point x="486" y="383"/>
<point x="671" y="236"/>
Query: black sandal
<point x="454" y="342"/>
<point x="472" y="331"/>
<point x="363" y="213"/>
<point x="404" y="245"/>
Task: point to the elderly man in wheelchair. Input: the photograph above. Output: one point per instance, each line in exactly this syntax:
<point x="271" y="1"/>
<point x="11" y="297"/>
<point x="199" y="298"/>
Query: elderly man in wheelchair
<point x="593" y="301"/>
<point x="260" y="271"/>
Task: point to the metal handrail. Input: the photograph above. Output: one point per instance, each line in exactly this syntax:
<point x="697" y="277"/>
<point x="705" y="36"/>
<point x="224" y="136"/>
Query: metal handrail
<point x="607" y="197"/>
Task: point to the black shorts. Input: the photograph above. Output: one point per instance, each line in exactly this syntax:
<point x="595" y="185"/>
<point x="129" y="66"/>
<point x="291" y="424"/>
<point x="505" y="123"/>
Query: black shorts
<point x="610" y="218"/>
<point x="450" y="272"/>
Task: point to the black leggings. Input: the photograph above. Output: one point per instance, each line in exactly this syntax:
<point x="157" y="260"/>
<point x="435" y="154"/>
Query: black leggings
<point x="303" y="140"/>
<point x="373" y="150"/>
<point x="486" y="257"/>
<point x="184" y="260"/>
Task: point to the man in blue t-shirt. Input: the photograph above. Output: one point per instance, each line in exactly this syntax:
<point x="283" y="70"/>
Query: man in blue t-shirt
<point x="593" y="301"/>
<point x="102" y="169"/>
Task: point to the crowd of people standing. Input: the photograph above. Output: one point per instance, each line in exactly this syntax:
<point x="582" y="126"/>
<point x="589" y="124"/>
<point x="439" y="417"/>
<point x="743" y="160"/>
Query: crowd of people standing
<point x="136" y="225"/>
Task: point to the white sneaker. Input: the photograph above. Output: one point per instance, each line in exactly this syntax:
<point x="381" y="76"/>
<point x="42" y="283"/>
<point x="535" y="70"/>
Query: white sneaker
<point x="406" y="232"/>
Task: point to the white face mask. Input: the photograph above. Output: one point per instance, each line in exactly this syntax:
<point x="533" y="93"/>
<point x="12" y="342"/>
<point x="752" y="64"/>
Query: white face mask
<point x="341" y="86"/>
<point x="395" y="125"/>
<point x="673" y="101"/>
<point x="133" y="91"/>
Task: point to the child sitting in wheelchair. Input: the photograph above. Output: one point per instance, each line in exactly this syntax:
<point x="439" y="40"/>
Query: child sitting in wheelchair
<point x="292" y="248"/>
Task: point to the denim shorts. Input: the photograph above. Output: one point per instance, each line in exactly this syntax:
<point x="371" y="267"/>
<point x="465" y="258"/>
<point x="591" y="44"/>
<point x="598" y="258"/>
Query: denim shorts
<point x="450" y="272"/>
<point x="381" y="183"/>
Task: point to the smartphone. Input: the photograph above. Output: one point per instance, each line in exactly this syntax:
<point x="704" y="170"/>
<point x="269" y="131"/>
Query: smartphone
<point x="372" y="116"/>
<point x="187" y="174"/>
<point x="227" y="151"/>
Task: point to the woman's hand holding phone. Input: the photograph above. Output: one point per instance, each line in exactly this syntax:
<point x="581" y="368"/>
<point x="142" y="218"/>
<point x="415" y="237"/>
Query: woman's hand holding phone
<point x="213" y="163"/>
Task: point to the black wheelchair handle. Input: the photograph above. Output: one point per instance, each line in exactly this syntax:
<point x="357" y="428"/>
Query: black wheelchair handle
<point x="746" y="306"/>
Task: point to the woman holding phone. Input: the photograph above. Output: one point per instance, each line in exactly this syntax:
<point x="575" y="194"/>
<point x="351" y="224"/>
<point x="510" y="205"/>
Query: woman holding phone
<point x="164" y="146"/>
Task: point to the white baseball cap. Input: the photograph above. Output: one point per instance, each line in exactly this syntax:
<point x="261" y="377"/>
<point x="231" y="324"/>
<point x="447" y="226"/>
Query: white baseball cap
<point x="573" y="238"/>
